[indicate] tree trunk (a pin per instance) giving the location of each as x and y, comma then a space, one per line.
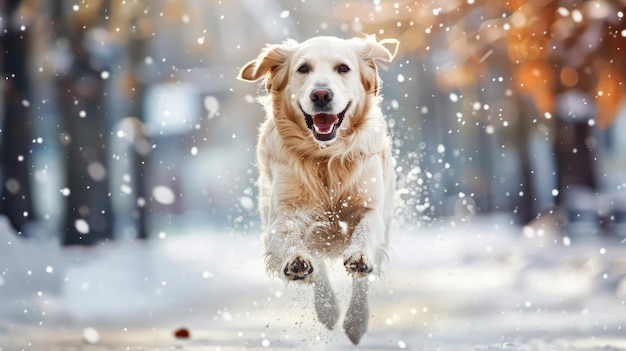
527, 208
138, 50
16, 200
82, 91
574, 156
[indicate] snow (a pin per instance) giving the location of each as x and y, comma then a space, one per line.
211, 104
163, 194
481, 286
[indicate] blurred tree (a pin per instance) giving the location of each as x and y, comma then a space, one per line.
565, 56
16, 201
80, 35
131, 29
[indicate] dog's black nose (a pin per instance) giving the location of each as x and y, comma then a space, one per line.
321, 97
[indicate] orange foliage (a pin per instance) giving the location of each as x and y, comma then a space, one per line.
609, 95
551, 45
536, 79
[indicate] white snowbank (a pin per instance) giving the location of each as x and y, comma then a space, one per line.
477, 284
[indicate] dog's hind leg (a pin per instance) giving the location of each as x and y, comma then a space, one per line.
357, 315
325, 301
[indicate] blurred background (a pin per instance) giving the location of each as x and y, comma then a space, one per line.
123, 119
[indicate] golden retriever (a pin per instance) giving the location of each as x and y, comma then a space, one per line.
326, 181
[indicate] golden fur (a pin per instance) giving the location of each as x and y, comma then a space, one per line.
322, 198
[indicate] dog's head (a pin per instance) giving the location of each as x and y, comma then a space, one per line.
322, 82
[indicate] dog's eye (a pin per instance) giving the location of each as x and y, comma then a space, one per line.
343, 68
304, 69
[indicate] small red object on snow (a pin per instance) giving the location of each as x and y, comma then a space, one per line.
182, 333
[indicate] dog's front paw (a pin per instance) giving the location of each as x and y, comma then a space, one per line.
358, 264
299, 268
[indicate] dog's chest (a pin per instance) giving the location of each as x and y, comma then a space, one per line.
335, 223
338, 191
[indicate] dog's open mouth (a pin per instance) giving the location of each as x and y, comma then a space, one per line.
325, 125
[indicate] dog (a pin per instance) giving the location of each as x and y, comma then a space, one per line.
326, 170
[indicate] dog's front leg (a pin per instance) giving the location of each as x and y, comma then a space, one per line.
285, 252
367, 240
357, 316
359, 259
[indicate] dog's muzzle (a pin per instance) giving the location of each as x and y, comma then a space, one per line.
324, 125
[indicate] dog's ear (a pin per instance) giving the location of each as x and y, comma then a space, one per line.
271, 65
370, 50
377, 50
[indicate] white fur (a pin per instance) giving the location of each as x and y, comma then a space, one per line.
325, 198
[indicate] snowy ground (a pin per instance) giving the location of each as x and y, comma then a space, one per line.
483, 286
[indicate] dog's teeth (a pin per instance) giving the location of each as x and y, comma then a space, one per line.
325, 131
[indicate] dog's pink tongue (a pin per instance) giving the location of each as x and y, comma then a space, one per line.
324, 122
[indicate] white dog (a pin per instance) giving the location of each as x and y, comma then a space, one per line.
326, 169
